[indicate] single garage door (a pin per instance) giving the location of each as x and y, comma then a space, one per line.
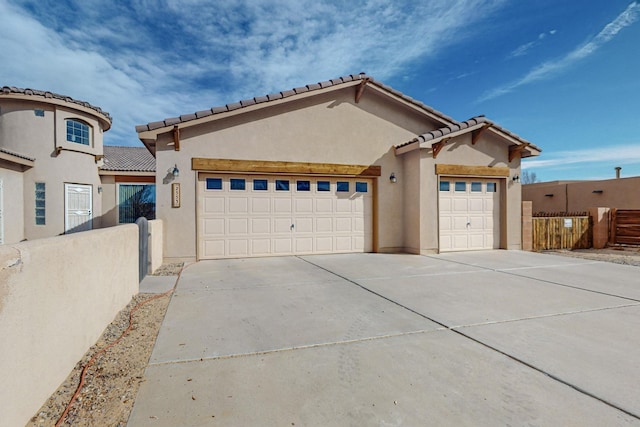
255, 215
469, 214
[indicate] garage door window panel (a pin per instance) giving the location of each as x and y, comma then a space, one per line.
238, 184
361, 187
342, 187
214, 183
461, 187
303, 185
324, 186
260, 185
445, 185
282, 185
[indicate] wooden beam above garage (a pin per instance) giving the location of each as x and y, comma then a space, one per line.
462, 170
290, 168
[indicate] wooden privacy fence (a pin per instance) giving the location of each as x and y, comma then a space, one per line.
625, 227
561, 232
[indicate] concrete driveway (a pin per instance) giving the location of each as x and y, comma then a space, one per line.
476, 338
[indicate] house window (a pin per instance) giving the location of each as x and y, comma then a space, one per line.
38, 112
342, 186
40, 204
303, 185
78, 132
324, 186
237, 184
361, 187
260, 185
282, 185
135, 201
445, 185
214, 183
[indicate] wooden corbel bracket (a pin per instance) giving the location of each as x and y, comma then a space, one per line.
475, 135
360, 88
516, 150
176, 138
438, 146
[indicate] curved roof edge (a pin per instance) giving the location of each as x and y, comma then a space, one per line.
12, 90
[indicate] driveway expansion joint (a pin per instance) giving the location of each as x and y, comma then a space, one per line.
544, 316
300, 347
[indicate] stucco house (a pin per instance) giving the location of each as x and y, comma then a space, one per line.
345, 165
128, 181
579, 196
50, 148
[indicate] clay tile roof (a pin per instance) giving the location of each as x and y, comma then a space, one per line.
128, 159
7, 90
13, 153
299, 90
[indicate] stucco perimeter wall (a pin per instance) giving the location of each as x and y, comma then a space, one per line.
56, 297
324, 128
579, 196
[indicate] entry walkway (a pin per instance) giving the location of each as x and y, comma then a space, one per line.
477, 338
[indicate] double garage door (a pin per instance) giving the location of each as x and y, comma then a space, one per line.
469, 214
254, 215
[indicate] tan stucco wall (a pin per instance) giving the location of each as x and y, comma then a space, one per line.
156, 244
12, 203
37, 137
490, 151
331, 128
328, 128
409, 180
578, 196
56, 297
109, 201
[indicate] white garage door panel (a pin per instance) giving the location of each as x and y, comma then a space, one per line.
469, 214
302, 220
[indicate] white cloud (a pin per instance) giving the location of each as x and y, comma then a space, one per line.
551, 68
200, 54
616, 155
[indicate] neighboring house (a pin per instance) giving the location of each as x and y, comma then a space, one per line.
578, 196
128, 185
346, 165
50, 147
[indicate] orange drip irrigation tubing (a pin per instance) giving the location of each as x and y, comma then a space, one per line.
104, 349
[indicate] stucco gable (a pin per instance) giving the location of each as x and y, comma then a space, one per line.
475, 124
149, 132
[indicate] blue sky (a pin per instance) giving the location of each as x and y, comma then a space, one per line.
563, 74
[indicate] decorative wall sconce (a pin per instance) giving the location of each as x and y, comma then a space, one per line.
597, 191
392, 178
99, 188
516, 178
174, 171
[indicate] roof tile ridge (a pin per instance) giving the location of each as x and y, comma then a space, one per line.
248, 102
